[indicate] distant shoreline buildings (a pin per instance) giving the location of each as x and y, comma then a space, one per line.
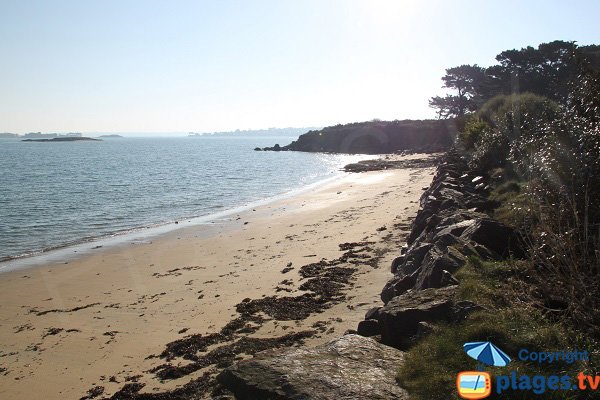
256, 132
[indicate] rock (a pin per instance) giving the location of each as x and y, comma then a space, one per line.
258, 149
372, 313
446, 193
396, 286
413, 258
457, 256
419, 223
403, 249
435, 263
352, 367
446, 240
396, 263
455, 229
495, 236
277, 147
399, 318
424, 329
368, 327
467, 249
483, 252
448, 279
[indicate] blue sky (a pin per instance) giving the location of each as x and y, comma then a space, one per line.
178, 66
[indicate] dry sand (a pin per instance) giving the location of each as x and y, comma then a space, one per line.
65, 328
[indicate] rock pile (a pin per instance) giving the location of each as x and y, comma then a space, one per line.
450, 226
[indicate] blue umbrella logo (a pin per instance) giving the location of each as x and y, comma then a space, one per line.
487, 353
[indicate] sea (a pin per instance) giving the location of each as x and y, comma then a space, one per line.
56, 195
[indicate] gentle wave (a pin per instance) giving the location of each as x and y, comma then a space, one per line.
55, 196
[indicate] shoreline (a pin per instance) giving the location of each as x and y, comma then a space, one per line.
120, 306
81, 248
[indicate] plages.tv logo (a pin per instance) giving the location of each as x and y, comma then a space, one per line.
478, 384
473, 384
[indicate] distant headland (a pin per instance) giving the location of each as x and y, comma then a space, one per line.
376, 137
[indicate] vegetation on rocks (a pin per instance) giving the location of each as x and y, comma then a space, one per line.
538, 151
509, 321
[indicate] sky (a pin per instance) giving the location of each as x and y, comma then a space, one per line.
218, 65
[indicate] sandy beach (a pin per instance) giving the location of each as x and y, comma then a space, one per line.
103, 319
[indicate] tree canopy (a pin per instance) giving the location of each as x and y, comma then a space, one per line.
545, 70
466, 80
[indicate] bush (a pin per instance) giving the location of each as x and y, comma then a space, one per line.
431, 366
490, 151
565, 185
530, 104
473, 130
506, 129
558, 204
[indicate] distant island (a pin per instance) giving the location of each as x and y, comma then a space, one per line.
40, 135
53, 137
63, 139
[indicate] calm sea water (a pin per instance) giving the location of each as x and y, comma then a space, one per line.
57, 194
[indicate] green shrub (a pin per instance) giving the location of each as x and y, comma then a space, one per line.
491, 150
532, 105
508, 128
564, 183
431, 366
473, 130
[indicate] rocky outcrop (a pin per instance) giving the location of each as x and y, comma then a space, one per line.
386, 163
352, 367
399, 319
501, 240
377, 137
451, 225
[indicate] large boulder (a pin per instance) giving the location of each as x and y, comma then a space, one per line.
455, 229
396, 262
396, 286
495, 236
438, 262
368, 327
399, 318
352, 367
413, 258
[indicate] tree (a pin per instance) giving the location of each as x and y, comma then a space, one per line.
466, 80
447, 107
544, 71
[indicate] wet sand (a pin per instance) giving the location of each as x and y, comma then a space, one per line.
300, 270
